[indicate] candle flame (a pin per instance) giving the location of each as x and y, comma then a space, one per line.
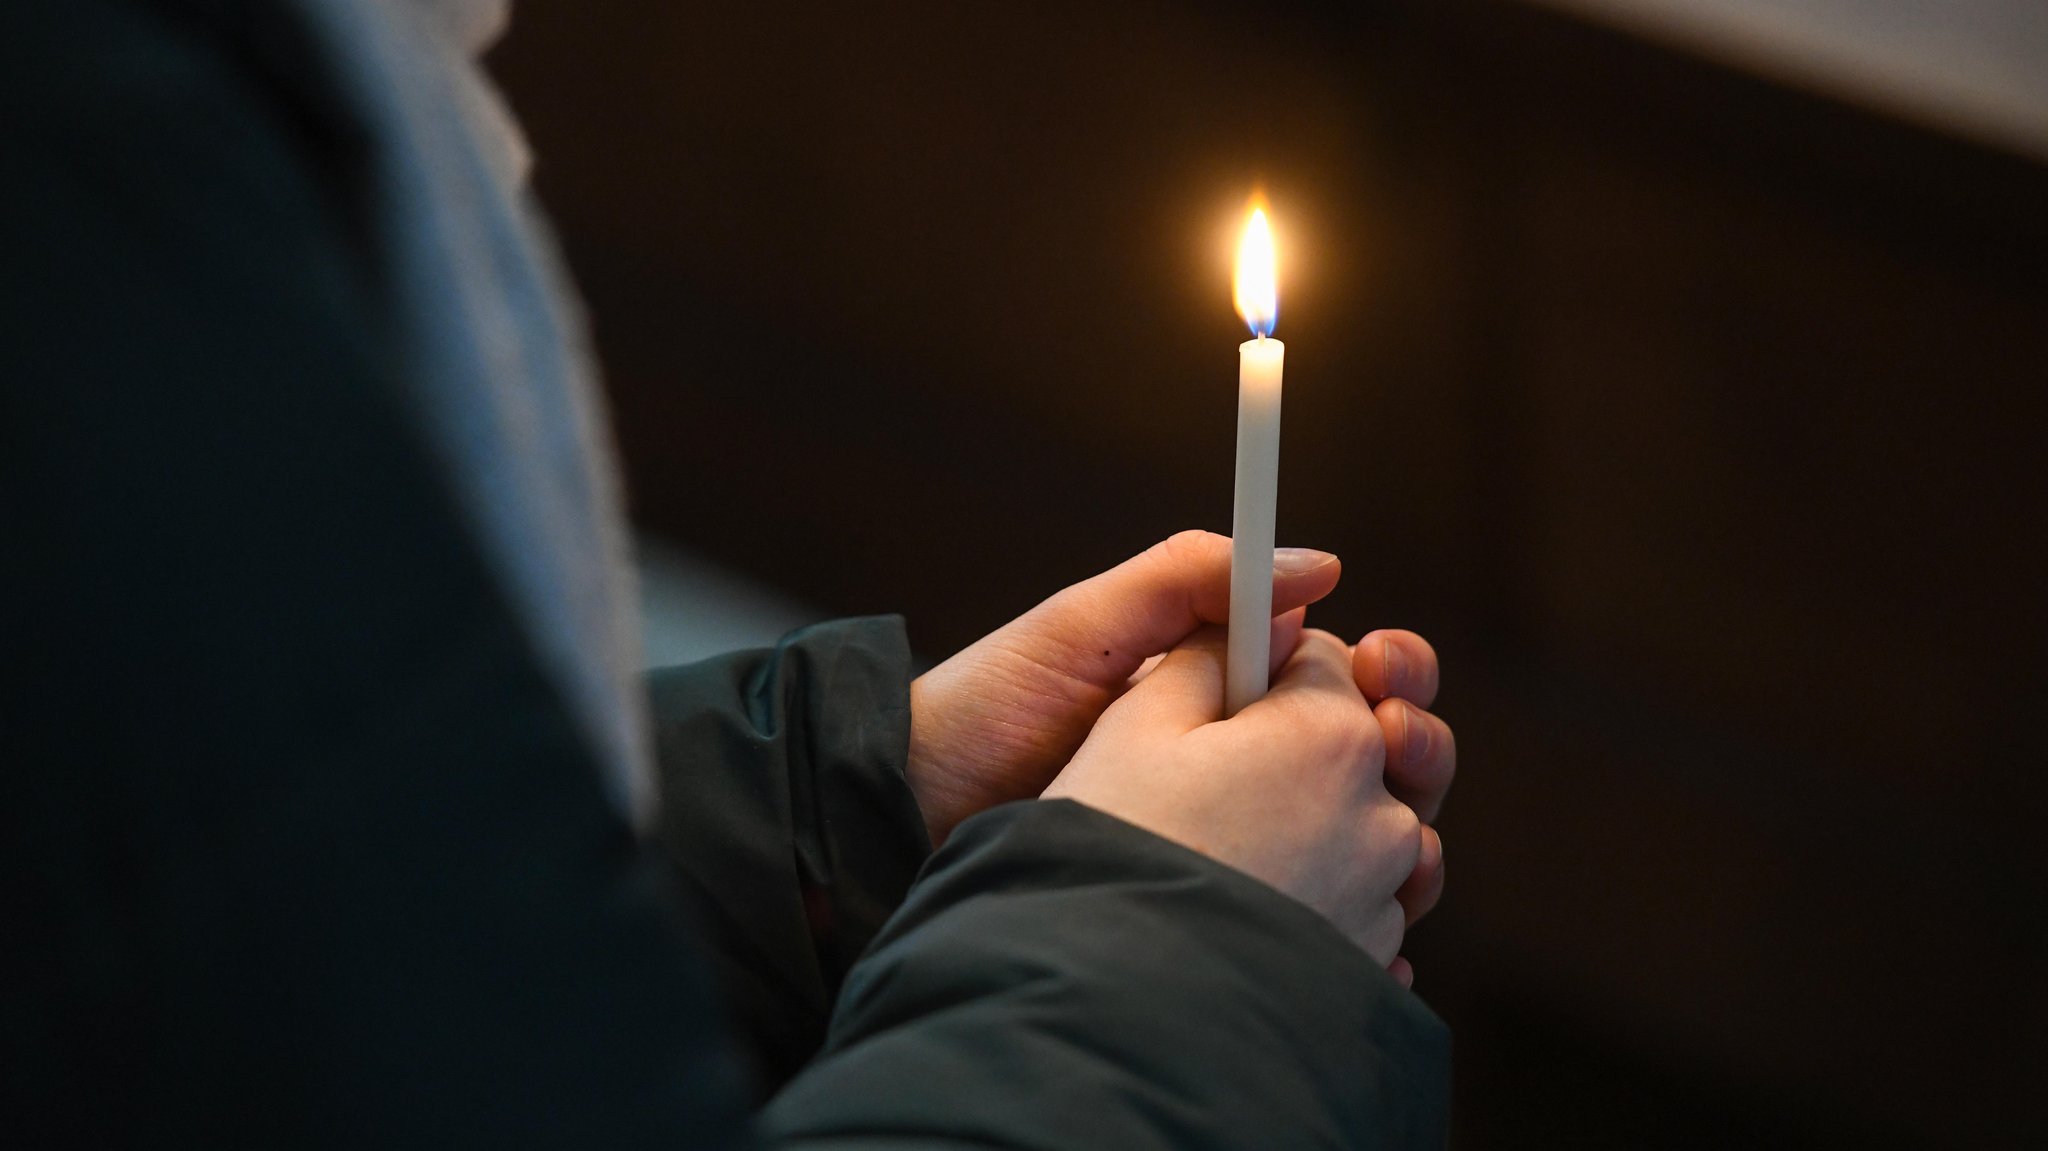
1258, 300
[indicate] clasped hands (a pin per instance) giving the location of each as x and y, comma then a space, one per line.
1111, 694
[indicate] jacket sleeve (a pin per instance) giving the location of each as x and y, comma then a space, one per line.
786, 815
1061, 979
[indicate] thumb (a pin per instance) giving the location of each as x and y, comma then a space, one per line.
1101, 629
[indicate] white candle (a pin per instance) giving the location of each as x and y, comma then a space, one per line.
1259, 362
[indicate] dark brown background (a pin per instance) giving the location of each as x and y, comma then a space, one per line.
1695, 419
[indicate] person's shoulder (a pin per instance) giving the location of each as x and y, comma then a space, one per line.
177, 174
146, 99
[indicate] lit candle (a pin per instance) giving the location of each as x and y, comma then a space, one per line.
1258, 471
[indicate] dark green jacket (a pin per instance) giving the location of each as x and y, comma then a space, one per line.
320, 789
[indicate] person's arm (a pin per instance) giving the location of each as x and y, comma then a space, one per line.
1065, 980
786, 817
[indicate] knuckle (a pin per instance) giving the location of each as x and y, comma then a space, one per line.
1185, 546
1368, 742
1352, 737
1325, 644
1403, 828
1322, 661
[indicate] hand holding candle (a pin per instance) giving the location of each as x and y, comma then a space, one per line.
1259, 360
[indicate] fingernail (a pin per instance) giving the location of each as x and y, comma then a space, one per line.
1394, 663
1416, 738
1295, 561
